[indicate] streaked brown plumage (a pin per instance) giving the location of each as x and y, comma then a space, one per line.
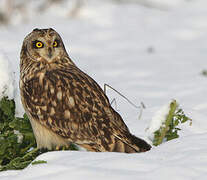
64, 104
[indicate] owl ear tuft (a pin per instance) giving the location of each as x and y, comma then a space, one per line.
51, 29
36, 29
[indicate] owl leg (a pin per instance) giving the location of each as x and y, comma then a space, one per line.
70, 146
62, 148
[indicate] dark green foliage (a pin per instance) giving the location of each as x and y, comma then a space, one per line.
72, 147
204, 72
16, 137
179, 117
169, 129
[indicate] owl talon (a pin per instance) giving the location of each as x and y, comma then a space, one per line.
61, 148
57, 148
64, 148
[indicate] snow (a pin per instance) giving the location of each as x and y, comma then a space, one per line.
150, 55
157, 120
171, 160
7, 79
19, 136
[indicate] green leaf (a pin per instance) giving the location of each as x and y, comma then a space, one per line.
7, 107
39, 162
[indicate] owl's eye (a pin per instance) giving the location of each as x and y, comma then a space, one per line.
38, 44
55, 43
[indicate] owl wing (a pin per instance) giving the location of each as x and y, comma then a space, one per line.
73, 105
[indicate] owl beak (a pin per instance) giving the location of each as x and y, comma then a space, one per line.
49, 52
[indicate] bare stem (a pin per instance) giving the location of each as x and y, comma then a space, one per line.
106, 85
165, 128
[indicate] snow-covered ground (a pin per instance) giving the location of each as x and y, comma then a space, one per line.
151, 55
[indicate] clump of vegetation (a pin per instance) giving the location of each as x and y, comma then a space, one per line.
204, 72
169, 129
17, 141
16, 138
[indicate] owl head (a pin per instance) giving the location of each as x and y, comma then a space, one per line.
43, 45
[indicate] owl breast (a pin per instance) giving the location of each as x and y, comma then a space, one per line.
40, 108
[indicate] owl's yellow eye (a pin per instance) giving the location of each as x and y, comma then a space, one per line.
39, 44
55, 44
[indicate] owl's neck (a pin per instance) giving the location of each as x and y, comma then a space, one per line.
29, 66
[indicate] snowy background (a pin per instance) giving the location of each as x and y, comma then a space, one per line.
152, 51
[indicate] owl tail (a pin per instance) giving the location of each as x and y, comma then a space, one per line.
136, 145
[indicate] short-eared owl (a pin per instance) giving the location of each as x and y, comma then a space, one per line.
64, 104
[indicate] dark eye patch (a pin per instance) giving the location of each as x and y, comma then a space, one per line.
56, 43
37, 44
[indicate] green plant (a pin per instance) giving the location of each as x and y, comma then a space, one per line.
169, 129
16, 137
204, 72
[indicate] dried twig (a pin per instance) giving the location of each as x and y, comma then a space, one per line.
114, 101
141, 107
